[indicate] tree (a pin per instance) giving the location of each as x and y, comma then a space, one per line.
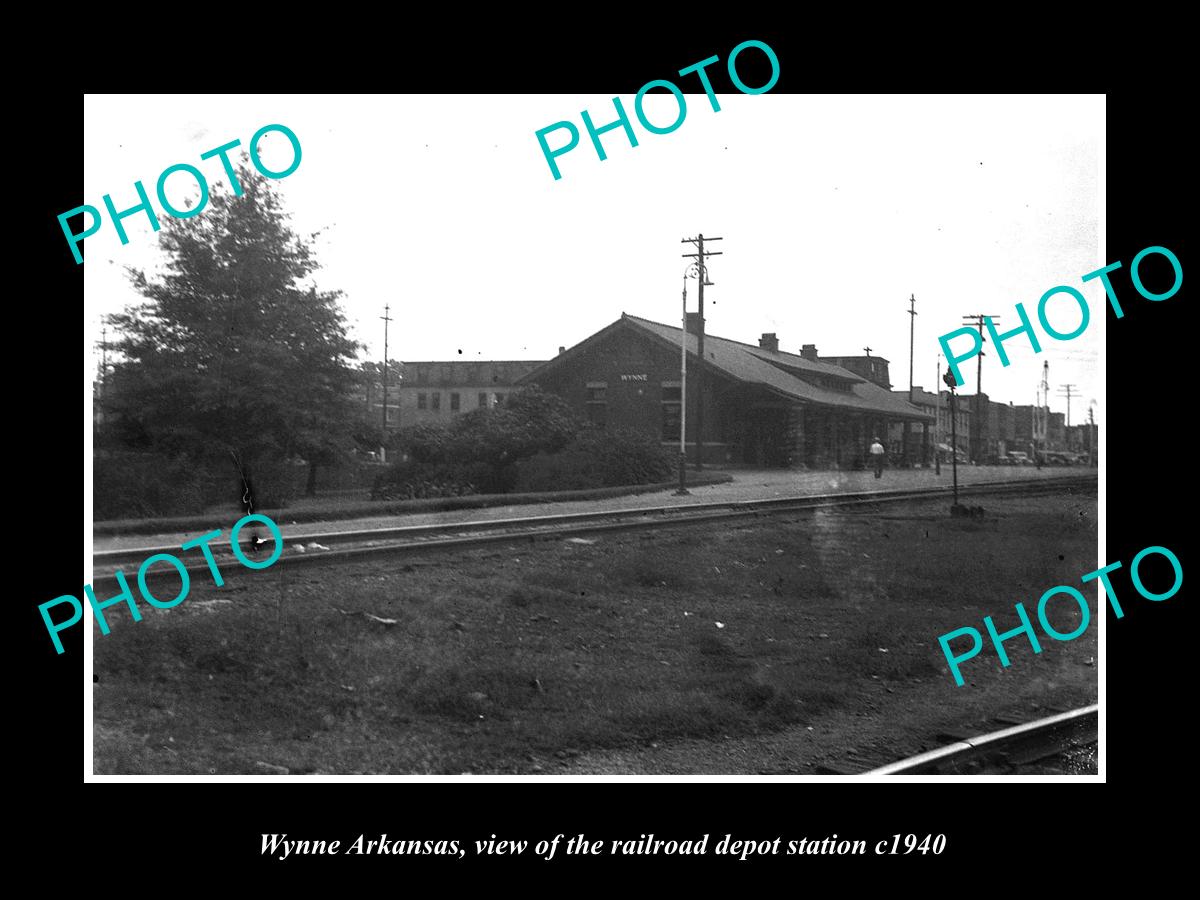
369, 382
533, 421
237, 355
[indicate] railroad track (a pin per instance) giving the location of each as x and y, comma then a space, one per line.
1067, 741
345, 546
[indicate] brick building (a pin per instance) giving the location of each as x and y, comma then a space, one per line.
436, 391
937, 432
762, 406
368, 391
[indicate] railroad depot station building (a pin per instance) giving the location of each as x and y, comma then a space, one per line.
762, 406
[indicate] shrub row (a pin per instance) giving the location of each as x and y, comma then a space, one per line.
534, 444
129, 484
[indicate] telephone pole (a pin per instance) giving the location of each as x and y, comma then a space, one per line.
98, 408
683, 491
937, 419
912, 330
386, 319
977, 415
1092, 433
1064, 390
103, 362
701, 281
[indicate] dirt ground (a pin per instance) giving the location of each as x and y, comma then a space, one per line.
794, 644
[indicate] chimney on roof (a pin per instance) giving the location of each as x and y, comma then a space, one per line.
769, 341
693, 323
809, 352
562, 350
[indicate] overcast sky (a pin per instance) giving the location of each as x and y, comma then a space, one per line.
833, 210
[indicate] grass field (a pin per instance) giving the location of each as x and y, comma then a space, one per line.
513, 659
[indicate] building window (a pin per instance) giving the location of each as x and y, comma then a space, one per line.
672, 396
670, 419
482, 401
436, 401
391, 414
454, 402
597, 402
422, 401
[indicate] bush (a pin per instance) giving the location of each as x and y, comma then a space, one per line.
476, 452
598, 457
534, 444
570, 470
414, 480
132, 484
275, 483
128, 484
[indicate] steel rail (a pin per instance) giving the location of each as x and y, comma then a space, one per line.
479, 533
1018, 745
679, 511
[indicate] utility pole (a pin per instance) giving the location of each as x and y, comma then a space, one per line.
701, 280
937, 419
977, 420
98, 418
1064, 390
386, 319
1092, 436
103, 362
683, 394
912, 330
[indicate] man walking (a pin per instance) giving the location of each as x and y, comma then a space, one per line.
877, 453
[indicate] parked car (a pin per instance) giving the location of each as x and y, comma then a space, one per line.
943, 452
1016, 458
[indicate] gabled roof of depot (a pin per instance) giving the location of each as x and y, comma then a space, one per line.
750, 364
